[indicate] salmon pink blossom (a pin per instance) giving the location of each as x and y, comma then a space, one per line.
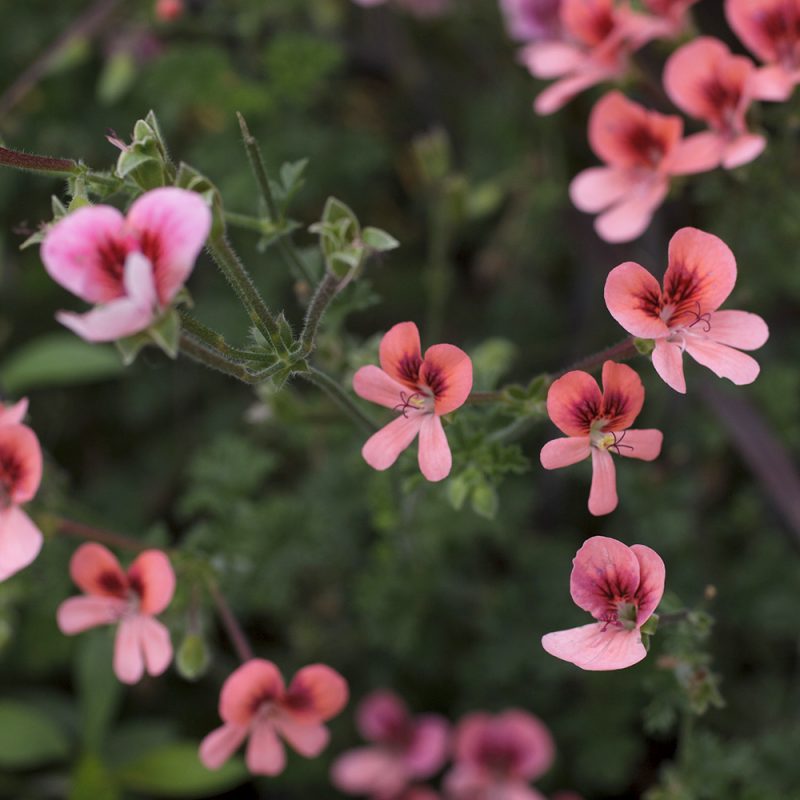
255, 703
642, 151
130, 267
405, 749
20, 476
705, 80
131, 600
532, 20
422, 391
620, 587
598, 424
496, 757
682, 316
668, 17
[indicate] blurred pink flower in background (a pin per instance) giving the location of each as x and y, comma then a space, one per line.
532, 20
255, 704
421, 8
683, 316
20, 476
422, 390
130, 267
620, 587
705, 80
667, 18
496, 757
130, 599
405, 749
642, 151
597, 424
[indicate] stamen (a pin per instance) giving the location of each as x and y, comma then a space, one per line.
618, 443
704, 318
412, 401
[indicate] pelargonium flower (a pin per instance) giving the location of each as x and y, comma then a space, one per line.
532, 20
255, 703
669, 17
20, 476
498, 756
131, 267
620, 587
131, 600
405, 749
598, 424
422, 390
770, 29
683, 316
642, 151
705, 80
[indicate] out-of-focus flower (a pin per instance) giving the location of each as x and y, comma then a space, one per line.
255, 704
532, 20
169, 10
405, 749
598, 424
420, 8
422, 390
620, 587
683, 316
131, 600
13, 415
669, 18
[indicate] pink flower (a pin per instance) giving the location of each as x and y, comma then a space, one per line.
683, 315
255, 703
131, 267
706, 81
532, 20
406, 749
20, 476
642, 150
496, 757
422, 390
129, 599
771, 30
668, 20
597, 424
620, 587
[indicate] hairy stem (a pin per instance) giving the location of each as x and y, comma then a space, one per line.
213, 339
215, 359
43, 165
623, 351
340, 397
326, 291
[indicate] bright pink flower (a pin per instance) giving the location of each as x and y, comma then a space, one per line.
255, 703
597, 424
20, 476
130, 267
422, 390
771, 30
496, 757
129, 599
683, 315
532, 20
642, 150
620, 587
706, 81
406, 749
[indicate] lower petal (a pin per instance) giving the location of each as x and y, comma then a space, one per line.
743, 149
562, 91
373, 384
221, 744
265, 753
20, 541
596, 188
668, 362
596, 646
307, 739
629, 220
551, 59
107, 323
700, 152
435, 459
739, 329
644, 444
603, 494
772, 83
723, 361
128, 656
372, 771
156, 645
382, 448
78, 614
564, 452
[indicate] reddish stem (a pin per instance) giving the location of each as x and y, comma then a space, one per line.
79, 530
46, 164
623, 351
230, 623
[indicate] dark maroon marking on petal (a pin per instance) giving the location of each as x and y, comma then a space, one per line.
682, 290
261, 696
498, 752
112, 583
585, 412
648, 146
600, 25
435, 380
723, 97
650, 302
615, 406
136, 584
11, 473
409, 367
111, 255
782, 27
298, 698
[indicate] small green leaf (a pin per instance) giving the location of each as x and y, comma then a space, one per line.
379, 240
98, 688
130, 346
28, 737
644, 346
92, 781
166, 333
485, 501
117, 76
192, 658
457, 491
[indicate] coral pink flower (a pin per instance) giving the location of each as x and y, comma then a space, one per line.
683, 316
129, 599
20, 476
620, 587
405, 749
131, 267
422, 390
597, 424
706, 81
496, 757
771, 30
532, 20
255, 703
668, 20
169, 10
642, 150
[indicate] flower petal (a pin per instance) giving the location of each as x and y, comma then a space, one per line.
668, 362
401, 353
435, 459
13, 415
590, 647
315, 694
772, 83
642, 444
746, 17
20, 541
78, 614
128, 655
603, 569
652, 576
630, 219
380, 715
382, 448
559, 453
21, 452
723, 361
739, 329
373, 384
597, 188
265, 753
447, 369
623, 396
373, 771
308, 740
558, 94
156, 645
219, 745
151, 574
700, 152
573, 402
427, 749
95, 570
116, 319
743, 149
256, 681
632, 296
552, 59
603, 494
531, 739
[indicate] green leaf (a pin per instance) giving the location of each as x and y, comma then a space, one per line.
58, 359
117, 76
92, 781
28, 737
379, 240
485, 501
98, 688
192, 658
166, 333
175, 771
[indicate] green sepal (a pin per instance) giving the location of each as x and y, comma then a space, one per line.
166, 333
378, 240
644, 346
192, 659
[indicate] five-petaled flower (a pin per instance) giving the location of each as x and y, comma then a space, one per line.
642, 150
405, 749
498, 756
620, 587
255, 703
422, 390
598, 423
705, 80
130, 267
683, 314
20, 476
130, 599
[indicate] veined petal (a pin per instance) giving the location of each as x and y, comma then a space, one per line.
597, 188
642, 444
668, 362
315, 694
746, 18
307, 739
739, 329
623, 396
255, 682
603, 569
373, 384
13, 415
128, 655
94, 569
652, 576
265, 753
573, 402
401, 353
107, 323
78, 614
603, 494
629, 219
435, 459
559, 453
21, 452
151, 574
156, 645
447, 370
632, 296
382, 448
723, 361
221, 744
590, 647
20, 541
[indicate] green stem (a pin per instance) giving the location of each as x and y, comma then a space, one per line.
215, 340
340, 397
246, 221
326, 291
214, 359
43, 165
